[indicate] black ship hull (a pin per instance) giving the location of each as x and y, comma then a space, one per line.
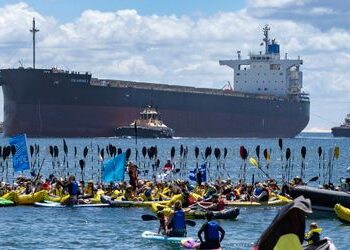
48, 104
341, 131
144, 132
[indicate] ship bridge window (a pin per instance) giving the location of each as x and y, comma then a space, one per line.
244, 67
275, 66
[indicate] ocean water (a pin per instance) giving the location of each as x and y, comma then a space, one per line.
121, 228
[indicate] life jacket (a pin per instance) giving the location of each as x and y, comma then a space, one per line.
258, 191
221, 205
213, 230
312, 232
179, 220
89, 191
59, 192
75, 188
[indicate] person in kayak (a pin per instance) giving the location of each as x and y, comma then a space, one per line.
212, 232
217, 204
176, 223
260, 193
168, 166
313, 236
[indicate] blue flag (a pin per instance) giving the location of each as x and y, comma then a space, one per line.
114, 169
20, 159
203, 169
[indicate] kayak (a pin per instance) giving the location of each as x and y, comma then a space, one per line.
155, 236
119, 203
30, 199
277, 202
229, 213
342, 213
58, 205
192, 244
6, 203
226, 214
324, 244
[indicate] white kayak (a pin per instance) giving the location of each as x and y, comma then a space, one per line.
155, 236
58, 205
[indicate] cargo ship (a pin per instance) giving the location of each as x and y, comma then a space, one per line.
266, 101
344, 129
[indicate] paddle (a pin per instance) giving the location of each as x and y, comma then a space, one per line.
288, 154
82, 166
217, 154
267, 156
280, 144
149, 217
319, 151
65, 157
303, 153
312, 179
127, 154
254, 163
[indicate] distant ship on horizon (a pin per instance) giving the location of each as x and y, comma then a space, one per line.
267, 101
344, 129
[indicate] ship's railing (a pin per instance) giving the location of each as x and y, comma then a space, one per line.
57, 70
176, 88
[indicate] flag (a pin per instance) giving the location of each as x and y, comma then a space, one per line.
20, 159
203, 170
114, 169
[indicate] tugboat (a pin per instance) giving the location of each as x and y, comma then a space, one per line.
149, 125
344, 129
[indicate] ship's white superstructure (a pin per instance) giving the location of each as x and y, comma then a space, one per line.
267, 73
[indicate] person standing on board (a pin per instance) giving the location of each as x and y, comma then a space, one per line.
212, 232
73, 191
176, 223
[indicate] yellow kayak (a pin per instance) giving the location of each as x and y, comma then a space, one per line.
342, 213
277, 202
30, 199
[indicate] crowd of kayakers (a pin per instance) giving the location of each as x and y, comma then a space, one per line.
181, 195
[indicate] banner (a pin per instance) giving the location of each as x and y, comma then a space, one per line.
20, 159
114, 169
203, 171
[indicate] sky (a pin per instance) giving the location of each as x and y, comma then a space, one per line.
181, 42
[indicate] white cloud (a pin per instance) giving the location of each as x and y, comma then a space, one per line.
274, 3
181, 50
321, 11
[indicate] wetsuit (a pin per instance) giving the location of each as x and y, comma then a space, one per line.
178, 225
211, 231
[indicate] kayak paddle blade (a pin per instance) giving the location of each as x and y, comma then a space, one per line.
148, 217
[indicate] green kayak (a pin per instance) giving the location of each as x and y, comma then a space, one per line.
5, 203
